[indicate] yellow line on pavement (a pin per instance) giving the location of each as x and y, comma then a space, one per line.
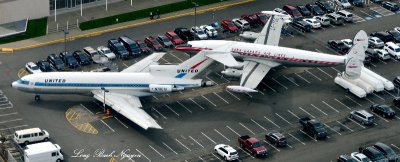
96, 33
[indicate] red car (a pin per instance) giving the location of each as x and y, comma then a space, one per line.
262, 18
228, 25
174, 38
252, 19
153, 43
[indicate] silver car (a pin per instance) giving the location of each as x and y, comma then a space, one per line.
362, 116
105, 51
210, 31
375, 42
325, 21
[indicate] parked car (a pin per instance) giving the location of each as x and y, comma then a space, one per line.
263, 18
226, 152
198, 33
32, 68
216, 25
55, 62
229, 26
367, 60
343, 3
252, 145
372, 54
287, 17
313, 22
68, 59
383, 110
210, 31
118, 48
293, 12
241, 23
335, 19
347, 16
323, 20
303, 10
386, 151
82, 58
358, 3
153, 43
384, 55
30, 135
397, 29
313, 127
184, 34
315, 10
105, 51
392, 49
175, 39
338, 46
373, 154
375, 42
44, 66
396, 82
362, 116
345, 158
392, 6
301, 25
252, 19
143, 47
130, 45
325, 6
276, 138
163, 40
359, 157
385, 37
395, 34
377, 1
347, 42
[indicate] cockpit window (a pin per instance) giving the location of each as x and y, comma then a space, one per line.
23, 82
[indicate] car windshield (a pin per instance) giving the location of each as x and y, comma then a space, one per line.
143, 45
263, 17
119, 47
378, 41
107, 51
326, 5
370, 118
302, 8
34, 67
200, 32
133, 45
395, 34
175, 37
397, 49
295, 11
58, 61
71, 59
230, 24
317, 9
364, 160
165, 39
282, 139
82, 56
234, 153
257, 144
154, 42
345, 1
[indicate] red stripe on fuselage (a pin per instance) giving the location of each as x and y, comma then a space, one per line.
198, 64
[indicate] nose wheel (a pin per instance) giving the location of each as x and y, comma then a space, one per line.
37, 98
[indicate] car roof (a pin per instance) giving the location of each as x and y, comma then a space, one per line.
382, 146
31, 64
229, 148
360, 155
364, 112
279, 135
171, 33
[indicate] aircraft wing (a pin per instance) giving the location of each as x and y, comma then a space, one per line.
270, 34
225, 58
254, 71
143, 65
128, 106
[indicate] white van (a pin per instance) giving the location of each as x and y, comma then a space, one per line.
43, 152
392, 49
30, 135
348, 17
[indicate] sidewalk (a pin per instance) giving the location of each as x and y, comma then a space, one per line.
76, 33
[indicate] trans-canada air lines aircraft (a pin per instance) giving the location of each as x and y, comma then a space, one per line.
123, 89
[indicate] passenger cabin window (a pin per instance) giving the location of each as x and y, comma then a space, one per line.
26, 136
41, 134
53, 154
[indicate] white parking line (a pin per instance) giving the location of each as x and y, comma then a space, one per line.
191, 99
201, 159
9, 114
184, 106
345, 126
258, 124
370, 101
221, 98
352, 100
143, 155
196, 141
283, 119
367, 14
182, 144
222, 77
293, 114
107, 125
308, 135
398, 148
394, 59
87, 108
324, 72
289, 146
373, 64
260, 92
272, 146
382, 61
248, 94
165, 60
18, 126
313, 75
125, 64
378, 96
297, 139
290, 80
216, 157
155, 97
272, 122
233, 95
319, 109
169, 148
356, 123
268, 86
245, 152
380, 117
342, 104
158, 112
209, 100
233, 130
120, 122
335, 69
307, 112
330, 106
302, 78
332, 129
176, 57
221, 134
208, 137
157, 151
211, 80
246, 128
389, 93
279, 83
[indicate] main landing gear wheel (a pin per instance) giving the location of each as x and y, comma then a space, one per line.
37, 98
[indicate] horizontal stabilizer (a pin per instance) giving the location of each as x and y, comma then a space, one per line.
225, 58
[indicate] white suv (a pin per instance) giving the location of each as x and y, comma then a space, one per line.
359, 157
392, 49
227, 152
384, 55
199, 33
241, 23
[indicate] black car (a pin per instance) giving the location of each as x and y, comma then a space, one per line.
302, 26
44, 66
303, 10
385, 37
377, 1
82, 58
396, 101
396, 81
390, 6
367, 60
338, 46
372, 54
383, 110
358, 3
345, 158
395, 34
184, 34
130, 45
276, 139
55, 62
68, 59
315, 10
324, 5
373, 154
387, 151
118, 48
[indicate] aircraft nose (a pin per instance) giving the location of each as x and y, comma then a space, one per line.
14, 84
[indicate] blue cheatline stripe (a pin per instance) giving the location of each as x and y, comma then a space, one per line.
180, 75
41, 84
23, 82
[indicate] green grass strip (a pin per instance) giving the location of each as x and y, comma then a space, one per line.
36, 28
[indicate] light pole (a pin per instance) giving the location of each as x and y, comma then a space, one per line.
65, 39
195, 14
104, 98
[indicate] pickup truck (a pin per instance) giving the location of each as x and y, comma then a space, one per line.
313, 127
252, 145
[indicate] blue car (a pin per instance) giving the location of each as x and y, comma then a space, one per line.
69, 59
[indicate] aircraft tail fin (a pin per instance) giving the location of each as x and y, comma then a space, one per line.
271, 32
355, 57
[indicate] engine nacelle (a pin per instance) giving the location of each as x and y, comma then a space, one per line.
155, 88
240, 89
208, 84
249, 35
232, 72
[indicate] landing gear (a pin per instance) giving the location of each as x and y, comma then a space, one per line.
37, 98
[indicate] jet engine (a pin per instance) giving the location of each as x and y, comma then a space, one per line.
230, 72
155, 88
